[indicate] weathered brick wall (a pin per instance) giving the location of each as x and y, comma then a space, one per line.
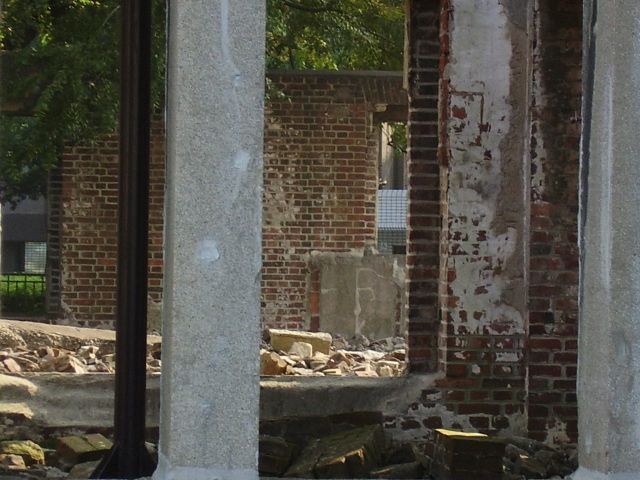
320, 181
319, 194
425, 203
508, 281
553, 261
86, 188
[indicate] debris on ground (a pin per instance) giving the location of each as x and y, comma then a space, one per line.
351, 451
339, 448
40, 348
31, 453
86, 359
75, 449
288, 352
525, 458
27, 347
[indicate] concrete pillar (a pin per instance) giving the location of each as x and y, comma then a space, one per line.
609, 362
210, 377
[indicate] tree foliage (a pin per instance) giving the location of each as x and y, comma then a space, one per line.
335, 34
59, 60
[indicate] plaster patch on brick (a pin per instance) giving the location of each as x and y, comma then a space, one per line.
538, 154
557, 433
517, 425
279, 208
482, 243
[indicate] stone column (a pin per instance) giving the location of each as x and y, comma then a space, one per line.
609, 349
210, 377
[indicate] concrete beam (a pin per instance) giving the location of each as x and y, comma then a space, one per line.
608, 384
210, 383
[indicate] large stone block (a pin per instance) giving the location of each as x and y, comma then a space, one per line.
350, 454
31, 452
361, 293
275, 455
460, 456
284, 339
83, 448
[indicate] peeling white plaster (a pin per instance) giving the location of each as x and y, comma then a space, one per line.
279, 207
517, 422
507, 357
538, 177
557, 433
480, 116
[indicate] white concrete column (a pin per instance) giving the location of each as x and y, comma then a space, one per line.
210, 377
609, 349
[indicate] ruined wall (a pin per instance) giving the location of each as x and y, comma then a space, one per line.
508, 131
482, 335
553, 262
320, 181
82, 274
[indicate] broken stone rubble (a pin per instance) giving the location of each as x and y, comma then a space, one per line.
36, 347
306, 354
87, 359
357, 357
320, 354
75, 456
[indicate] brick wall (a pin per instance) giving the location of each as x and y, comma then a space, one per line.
319, 194
320, 181
425, 202
54, 225
507, 291
84, 237
553, 277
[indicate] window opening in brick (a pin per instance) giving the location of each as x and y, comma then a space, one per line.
35, 257
391, 206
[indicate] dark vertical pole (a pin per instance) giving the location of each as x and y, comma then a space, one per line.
129, 457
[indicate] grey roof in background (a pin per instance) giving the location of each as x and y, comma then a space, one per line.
392, 209
26, 223
26, 207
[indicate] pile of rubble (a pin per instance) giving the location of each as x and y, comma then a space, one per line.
37, 347
86, 359
283, 352
366, 452
354, 452
362, 452
286, 352
525, 458
74, 456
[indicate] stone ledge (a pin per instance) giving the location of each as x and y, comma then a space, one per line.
61, 400
586, 474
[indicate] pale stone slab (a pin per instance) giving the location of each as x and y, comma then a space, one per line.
284, 339
608, 384
210, 377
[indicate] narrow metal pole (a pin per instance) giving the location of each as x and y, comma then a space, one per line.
129, 457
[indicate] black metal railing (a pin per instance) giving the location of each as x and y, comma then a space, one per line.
23, 294
25, 282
